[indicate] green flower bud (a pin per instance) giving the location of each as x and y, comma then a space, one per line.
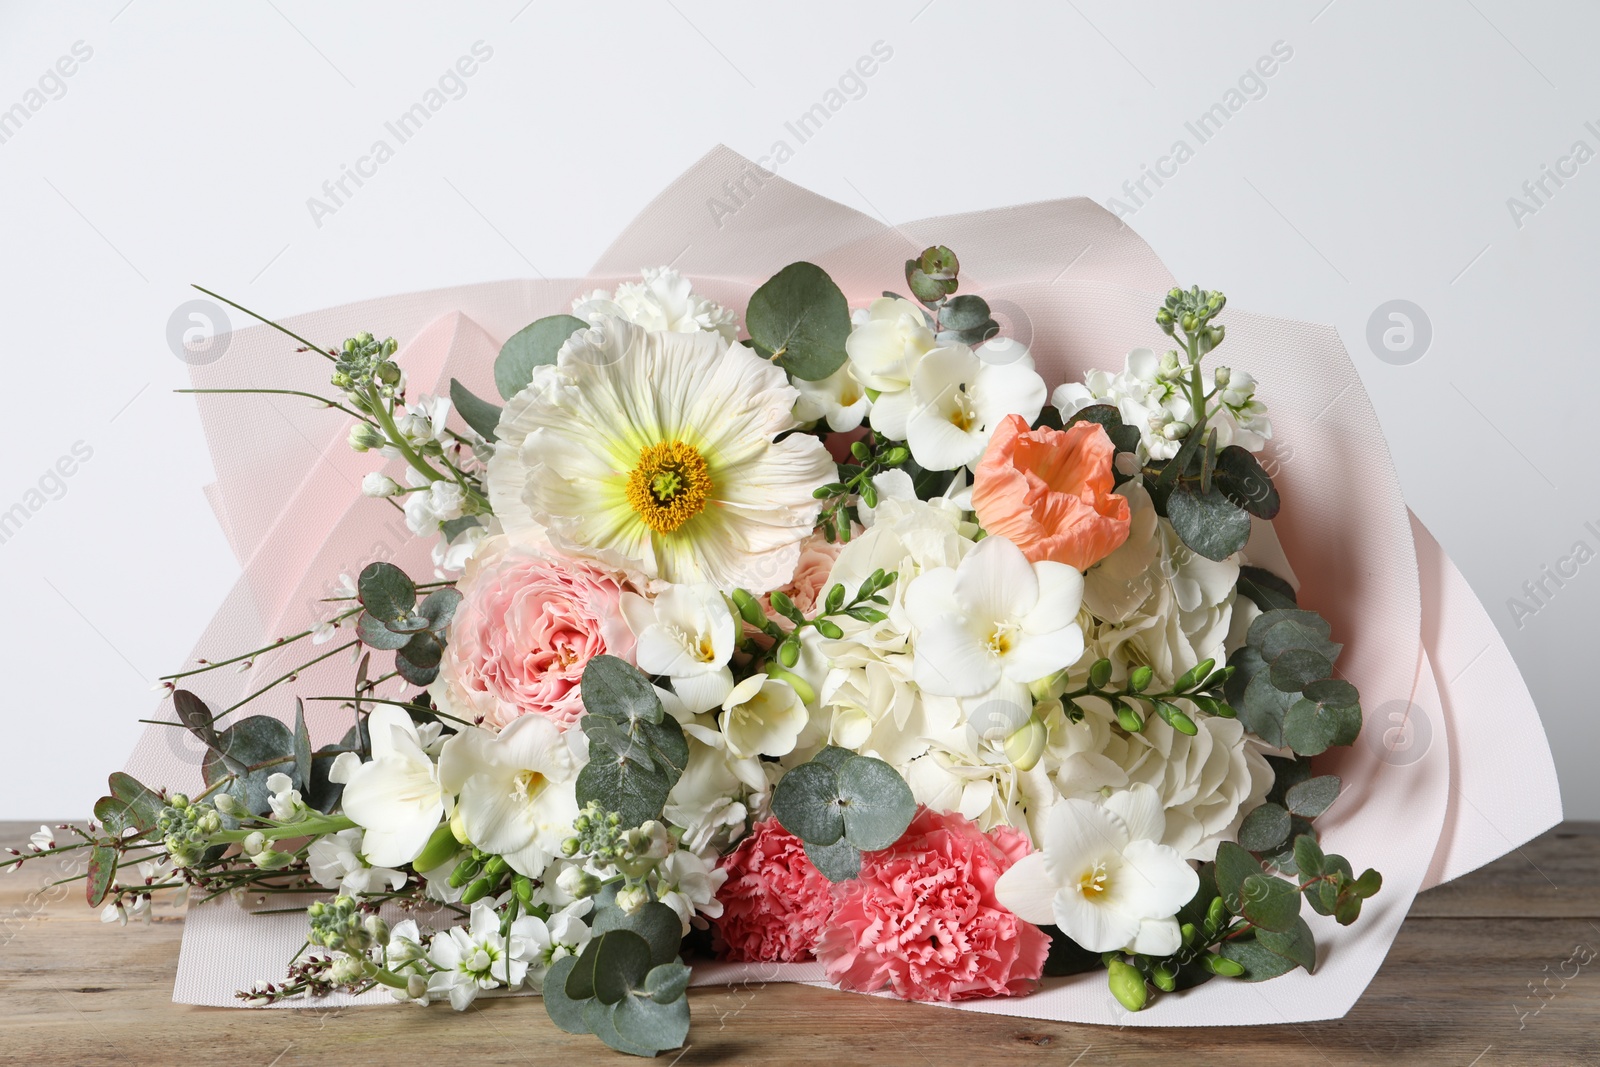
347, 970
1024, 747
387, 373
226, 804
364, 437
1222, 376
1221, 965
749, 607
254, 843
440, 849
896, 456
476, 891
860, 451
1127, 985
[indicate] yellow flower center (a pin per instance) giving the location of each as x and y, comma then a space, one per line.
962, 417
669, 486
527, 786
1094, 882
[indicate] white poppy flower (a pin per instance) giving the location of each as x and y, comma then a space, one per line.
762, 716
516, 789
395, 797
1102, 877
959, 399
687, 634
994, 618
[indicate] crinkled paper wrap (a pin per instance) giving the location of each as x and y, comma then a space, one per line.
1452, 769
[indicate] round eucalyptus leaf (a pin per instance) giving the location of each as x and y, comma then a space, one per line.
876, 803
386, 592
806, 803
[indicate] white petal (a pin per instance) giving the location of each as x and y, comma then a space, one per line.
1095, 926
1140, 808
702, 692
1014, 389
1157, 937
1032, 656
1060, 597
950, 661
1157, 881
996, 583
1026, 888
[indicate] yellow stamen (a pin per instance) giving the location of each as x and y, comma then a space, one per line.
527, 785
1094, 882
669, 486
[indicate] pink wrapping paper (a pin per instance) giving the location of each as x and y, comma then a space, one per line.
1452, 769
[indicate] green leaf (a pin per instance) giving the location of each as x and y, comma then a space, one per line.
838, 862
1313, 797
1259, 962
535, 345
375, 634
966, 319
806, 803
563, 1010
422, 651
635, 793
667, 982
1242, 481
386, 592
1265, 828
1209, 523
1263, 707
1175, 467
621, 961
1308, 857
194, 714
580, 980
302, 747
479, 414
1282, 858
1368, 884
1270, 903
131, 804
803, 318
602, 1022
1275, 632
876, 803
260, 742
645, 1023
439, 607
1297, 944
1124, 438
1234, 866
612, 687
1328, 714
833, 756
1287, 772
102, 869
1298, 668
421, 677
1266, 589
658, 924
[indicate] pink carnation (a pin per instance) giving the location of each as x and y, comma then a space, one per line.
527, 625
775, 904
923, 920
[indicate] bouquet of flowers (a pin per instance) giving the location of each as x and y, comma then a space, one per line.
787, 632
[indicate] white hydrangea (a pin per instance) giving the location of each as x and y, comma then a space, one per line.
1152, 394
663, 301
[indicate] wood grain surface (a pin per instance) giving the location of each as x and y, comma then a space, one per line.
1486, 971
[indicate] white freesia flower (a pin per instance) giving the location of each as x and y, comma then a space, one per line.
687, 634
664, 300
838, 398
1156, 602
994, 618
476, 958
958, 399
516, 788
885, 345
763, 716
396, 796
688, 885
1101, 875
657, 452
336, 863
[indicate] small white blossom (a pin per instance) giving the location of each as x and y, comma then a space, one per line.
43, 839
378, 484
335, 861
287, 806
688, 885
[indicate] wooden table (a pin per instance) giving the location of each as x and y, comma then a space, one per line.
1479, 976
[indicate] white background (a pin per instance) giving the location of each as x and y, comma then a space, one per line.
1376, 165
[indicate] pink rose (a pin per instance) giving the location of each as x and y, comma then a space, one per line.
775, 904
527, 625
922, 918
810, 581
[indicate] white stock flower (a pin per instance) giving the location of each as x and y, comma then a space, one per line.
762, 716
378, 484
994, 618
544, 941
688, 885
1155, 602
475, 958
1102, 876
664, 300
886, 343
659, 453
431, 504
336, 863
958, 399
396, 796
838, 398
1150, 399
284, 798
516, 788
687, 634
